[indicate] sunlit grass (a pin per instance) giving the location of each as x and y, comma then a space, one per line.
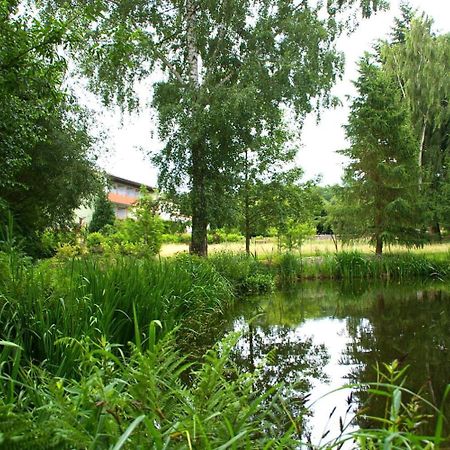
264, 248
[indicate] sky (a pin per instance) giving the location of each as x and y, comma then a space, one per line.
131, 138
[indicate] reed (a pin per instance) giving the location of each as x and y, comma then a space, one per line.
141, 401
113, 299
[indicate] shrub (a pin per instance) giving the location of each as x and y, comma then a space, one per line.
246, 274
289, 268
68, 251
94, 242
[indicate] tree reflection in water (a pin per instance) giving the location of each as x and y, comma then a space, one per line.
381, 322
411, 326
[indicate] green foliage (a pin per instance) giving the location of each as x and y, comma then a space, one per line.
138, 236
296, 234
246, 274
42, 131
30, 78
403, 415
90, 297
220, 235
419, 61
289, 269
209, 115
103, 214
381, 195
148, 226
141, 401
286, 205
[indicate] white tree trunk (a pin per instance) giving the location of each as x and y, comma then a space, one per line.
192, 56
421, 149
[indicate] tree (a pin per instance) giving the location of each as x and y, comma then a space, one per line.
31, 73
148, 226
103, 214
381, 182
289, 206
59, 174
47, 166
420, 62
230, 68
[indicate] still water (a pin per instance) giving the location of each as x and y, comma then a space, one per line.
323, 335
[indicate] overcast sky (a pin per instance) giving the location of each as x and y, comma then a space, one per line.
132, 138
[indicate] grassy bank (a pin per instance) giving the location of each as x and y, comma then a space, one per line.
95, 353
250, 275
290, 268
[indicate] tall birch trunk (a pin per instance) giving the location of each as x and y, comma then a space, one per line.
247, 207
421, 150
199, 242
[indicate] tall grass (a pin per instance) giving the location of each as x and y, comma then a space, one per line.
355, 265
247, 274
113, 299
140, 401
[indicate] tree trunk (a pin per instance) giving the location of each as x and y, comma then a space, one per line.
379, 246
247, 207
436, 231
199, 242
421, 149
199, 238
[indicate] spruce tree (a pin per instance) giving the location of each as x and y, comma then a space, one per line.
103, 214
382, 179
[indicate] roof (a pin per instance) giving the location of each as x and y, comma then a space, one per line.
129, 182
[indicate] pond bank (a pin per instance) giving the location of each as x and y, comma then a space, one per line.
102, 343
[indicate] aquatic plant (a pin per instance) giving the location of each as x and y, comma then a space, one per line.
141, 401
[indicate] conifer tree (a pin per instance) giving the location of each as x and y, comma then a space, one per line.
381, 181
103, 214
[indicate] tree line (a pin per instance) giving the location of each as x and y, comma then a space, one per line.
233, 74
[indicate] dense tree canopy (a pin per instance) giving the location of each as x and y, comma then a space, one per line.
46, 163
231, 69
420, 62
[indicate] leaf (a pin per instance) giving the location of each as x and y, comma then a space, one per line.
122, 440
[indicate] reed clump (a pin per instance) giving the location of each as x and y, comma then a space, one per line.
109, 298
140, 401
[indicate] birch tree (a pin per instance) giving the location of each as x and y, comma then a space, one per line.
230, 66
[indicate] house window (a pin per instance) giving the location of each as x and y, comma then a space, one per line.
121, 212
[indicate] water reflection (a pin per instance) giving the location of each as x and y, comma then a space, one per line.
323, 335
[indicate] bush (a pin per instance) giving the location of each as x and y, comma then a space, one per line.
246, 274
219, 236
68, 251
94, 242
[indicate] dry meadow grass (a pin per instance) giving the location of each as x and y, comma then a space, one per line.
318, 246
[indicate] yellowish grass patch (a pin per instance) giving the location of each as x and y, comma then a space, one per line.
317, 246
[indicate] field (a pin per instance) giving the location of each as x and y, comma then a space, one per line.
318, 246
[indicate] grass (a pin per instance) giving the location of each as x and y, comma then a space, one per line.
140, 402
114, 300
267, 248
90, 355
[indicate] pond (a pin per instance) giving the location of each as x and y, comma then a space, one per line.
323, 335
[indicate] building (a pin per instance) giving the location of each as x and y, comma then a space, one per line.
123, 194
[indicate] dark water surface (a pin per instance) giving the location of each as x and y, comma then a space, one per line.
323, 335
